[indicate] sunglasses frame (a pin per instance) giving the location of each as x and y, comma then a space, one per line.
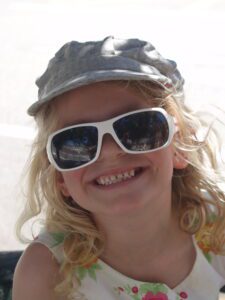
104, 127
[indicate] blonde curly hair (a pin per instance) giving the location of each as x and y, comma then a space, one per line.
197, 196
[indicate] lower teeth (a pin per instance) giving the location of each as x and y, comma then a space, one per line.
109, 183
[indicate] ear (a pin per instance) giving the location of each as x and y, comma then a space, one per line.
179, 160
62, 185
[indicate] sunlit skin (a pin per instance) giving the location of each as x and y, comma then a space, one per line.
135, 215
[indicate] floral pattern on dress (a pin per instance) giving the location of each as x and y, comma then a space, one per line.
203, 237
203, 241
145, 291
58, 238
148, 291
88, 270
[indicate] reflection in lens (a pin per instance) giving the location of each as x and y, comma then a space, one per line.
142, 131
74, 147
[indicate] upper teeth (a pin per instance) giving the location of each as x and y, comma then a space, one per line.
107, 180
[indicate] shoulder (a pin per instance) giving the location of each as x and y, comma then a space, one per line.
36, 274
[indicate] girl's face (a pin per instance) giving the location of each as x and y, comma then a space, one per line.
150, 188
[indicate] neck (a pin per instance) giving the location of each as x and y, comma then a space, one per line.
139, 234
152, 236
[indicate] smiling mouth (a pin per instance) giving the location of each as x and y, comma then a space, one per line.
117, 178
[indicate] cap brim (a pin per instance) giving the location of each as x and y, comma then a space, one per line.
93, 77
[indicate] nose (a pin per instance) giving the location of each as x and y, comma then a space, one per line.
109, 149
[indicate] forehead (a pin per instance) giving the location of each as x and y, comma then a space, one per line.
99, 101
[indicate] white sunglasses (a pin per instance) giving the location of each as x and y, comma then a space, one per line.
139, 131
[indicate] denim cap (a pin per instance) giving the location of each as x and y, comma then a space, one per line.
78, 64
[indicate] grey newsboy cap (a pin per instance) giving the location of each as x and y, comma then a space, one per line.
78, 64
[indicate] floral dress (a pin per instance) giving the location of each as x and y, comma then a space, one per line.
99, 281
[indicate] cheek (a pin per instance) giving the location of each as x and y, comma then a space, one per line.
162, 160
163, 154
73, 181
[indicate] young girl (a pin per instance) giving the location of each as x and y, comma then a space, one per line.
131, 195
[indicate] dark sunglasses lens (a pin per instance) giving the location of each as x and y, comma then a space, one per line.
75, 147
142, 131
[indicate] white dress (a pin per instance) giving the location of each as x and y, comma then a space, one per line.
98, 281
